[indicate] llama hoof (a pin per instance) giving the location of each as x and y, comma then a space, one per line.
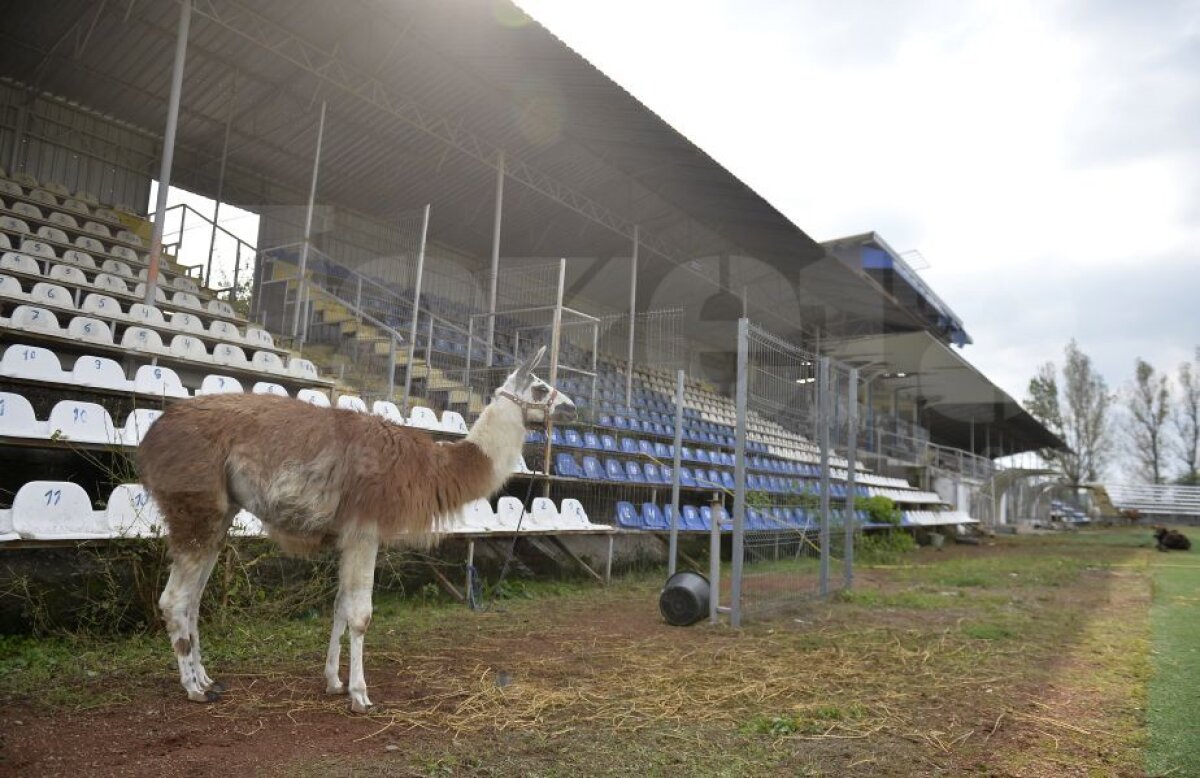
204, 696
336, 691
212, 696
217, 687
357, 707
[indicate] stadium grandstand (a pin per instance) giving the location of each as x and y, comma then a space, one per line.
441, 188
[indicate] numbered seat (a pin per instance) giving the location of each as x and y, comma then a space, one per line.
132, 513
5, 243
125, 254
543, 515
63, 220
53, 295
89, 330
182, 283
190, 348
33, 363
186, 300
628, 516
129, 237
348, 402
424, 418
223, 330
56, 510
81, 422
110, 283
566, 466
219, 384
20, 263
137, 424
266, 387
102, 305
573, 516
268, 362
146, 315
28, 210
260, 338
227, 354
52, 234
88, 243
37, 248
11, 288
76, 205
86, 199
387, 410
98, 229
510, 514
142, 339
11, 188
454, 422
186, 322
35, 319
159, 295
592, 469
159, 381
313, 397
68, 273
17, 419
302, 369
221, 308
144, 273
44, 197
99, 372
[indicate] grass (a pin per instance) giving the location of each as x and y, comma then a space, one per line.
1029, 657
1173, 715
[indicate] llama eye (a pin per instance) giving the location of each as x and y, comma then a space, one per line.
540, 391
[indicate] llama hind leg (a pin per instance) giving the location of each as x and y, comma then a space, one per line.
207, 683
356, 578
189, 570
333, 658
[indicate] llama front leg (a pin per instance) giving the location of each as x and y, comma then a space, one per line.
333, 658
207, 683
357, 576
179, 598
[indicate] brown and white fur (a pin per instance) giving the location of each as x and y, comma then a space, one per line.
317, 477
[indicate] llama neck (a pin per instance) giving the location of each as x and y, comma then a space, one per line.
499, 432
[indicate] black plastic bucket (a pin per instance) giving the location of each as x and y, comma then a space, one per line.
684, 598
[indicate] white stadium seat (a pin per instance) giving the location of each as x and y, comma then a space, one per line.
159, 295
117, 268
256, 336
226, 354
11, 187
27, 209
110, 283
88, 243
159, 381
5, 243
223, 330
77, 205
68, 273
246, 524
52, 234
189, 347
125, 253
160, 279
146, 314
30, 317
302, 368
573, 516
387, 410
182, 283
97, 228
219, 384
64, 220
99, 372
266, 387
81, 422
24, 179
543, 515
31, 362
107, 214
11, 287
142, 339
56, 510
453, 421
84, 196
37, 248
348, 402
89, 330
267, 362
221, 308
424, 418
43, 196
509, 513
132, 513
56, 188
13, 224
313, 397
186, 322
20, 263
52, 295
137, 424
102, 305
17, 418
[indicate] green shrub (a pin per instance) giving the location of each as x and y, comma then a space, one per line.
884, 547
882, 510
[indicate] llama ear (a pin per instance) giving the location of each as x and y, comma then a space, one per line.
535, 360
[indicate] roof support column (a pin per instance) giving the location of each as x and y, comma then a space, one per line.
212, 238
495, 277
168, 149
633, 271
301, 280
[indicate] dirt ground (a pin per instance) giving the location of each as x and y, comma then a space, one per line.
998, 660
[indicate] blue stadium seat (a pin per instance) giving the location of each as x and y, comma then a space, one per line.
629, 445
668, 512
572, 438
620, 422
608, 443
701, 455
627, 516
565, 465
534, 436
605, 420
754, 482
653, 474
686, 479
663, 451
613, 470
691, 518
592, 468
634, 425
646, 448
726, 479
556, 437
592, 441
686, 454
652, 517
633, 473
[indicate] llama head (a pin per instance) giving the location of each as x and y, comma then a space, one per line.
535, 396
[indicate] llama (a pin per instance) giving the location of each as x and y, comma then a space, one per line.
317, 477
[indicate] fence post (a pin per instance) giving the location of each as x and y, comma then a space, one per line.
823, 432
555, 341
416, 309
673, 550
714, 558
391, 368
739, 476
632, 321
851, 468
308, 218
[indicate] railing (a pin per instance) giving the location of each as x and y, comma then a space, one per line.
175, 247
1163, 499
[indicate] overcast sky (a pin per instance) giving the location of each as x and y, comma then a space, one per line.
1043, 156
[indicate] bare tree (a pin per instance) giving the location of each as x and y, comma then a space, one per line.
1186, 418
1078, 415
1148, 401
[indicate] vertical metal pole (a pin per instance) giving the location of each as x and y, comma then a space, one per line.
301, 281
168, 155
739, 475
494, 281
470, 571
416, 309
823, 432
851, 468
674, 544
632, 314
555, 339
608, 561
212, 238
714, 559
391, 368
467, 366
